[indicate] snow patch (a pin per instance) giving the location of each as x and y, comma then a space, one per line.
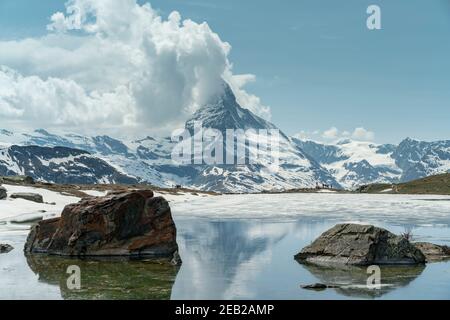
20, 211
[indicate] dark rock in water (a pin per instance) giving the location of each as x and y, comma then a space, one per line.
433, 252
315, 286
35, 197
131, 223
353, 244
5, 248
3, 193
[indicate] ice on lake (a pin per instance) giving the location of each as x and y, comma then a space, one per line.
242, 247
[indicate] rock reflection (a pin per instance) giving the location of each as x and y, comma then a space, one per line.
107, 279
351, 281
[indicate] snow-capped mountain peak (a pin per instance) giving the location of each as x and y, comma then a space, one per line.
224, 112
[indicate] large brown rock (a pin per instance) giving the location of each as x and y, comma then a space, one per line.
132, 223
354, 244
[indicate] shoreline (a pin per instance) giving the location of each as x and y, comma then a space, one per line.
82, 190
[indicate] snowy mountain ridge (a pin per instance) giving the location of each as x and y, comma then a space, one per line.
355, 163
59, 165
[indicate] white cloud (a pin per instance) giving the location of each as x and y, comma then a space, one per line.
302, 135
61, 102
331, 134
251, 102
115, 63
334, 134
363, 134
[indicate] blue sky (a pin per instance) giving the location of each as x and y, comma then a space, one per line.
316, 63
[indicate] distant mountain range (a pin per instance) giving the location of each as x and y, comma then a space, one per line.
355, 163
74, 158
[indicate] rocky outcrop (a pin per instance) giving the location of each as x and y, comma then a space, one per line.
360, 245
3, 193
433, 252
131, 223
20, 180
5, 248
35, 197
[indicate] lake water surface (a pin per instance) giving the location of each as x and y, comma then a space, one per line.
225, 257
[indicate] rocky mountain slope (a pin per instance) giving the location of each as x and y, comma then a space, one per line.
59, 165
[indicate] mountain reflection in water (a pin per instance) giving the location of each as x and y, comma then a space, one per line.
225, 259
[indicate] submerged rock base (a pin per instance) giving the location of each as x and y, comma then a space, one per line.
132, 223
